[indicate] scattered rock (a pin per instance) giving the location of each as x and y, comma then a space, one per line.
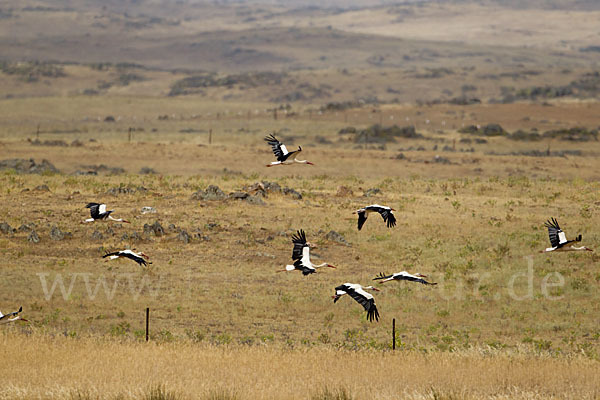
212, 192
148, 210
293, 193
79, 172
26, 227
126, 190
77, 143
33, 237
6, 228
238, 195
344, 191
23, 166
441, 160
258, 189
211, 225
97, 235
400, 156
256, 200
104, 169
156, 228
337, 238
147, 171
56, 233
183, 236
42, 188
271, 186
198, 235
134, 237
372, 192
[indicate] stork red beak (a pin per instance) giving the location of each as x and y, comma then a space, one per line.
145, 256
377, 290
589, 249
127, 222
309, 163
330, 266
24, 320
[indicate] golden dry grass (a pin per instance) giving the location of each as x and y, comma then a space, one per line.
62, 368
219, 310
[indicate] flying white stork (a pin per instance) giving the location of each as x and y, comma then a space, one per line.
5, 319
98, 212
403, 276
139, 258
387, 214
284, 157
558, 239
358, 293
301, 256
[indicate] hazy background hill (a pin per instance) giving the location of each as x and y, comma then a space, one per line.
332, 51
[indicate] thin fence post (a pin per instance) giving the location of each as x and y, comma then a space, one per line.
393, 333
147, 322
129, 136
210, 136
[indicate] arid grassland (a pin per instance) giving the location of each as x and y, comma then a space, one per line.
107, 369
471, 220
477, 121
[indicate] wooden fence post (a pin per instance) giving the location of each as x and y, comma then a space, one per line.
393, 333
147, 322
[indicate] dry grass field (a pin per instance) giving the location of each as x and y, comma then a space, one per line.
108, 369
475, 121
473, 223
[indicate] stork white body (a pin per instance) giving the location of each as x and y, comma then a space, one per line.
301, 256
387, 213
11, 317
139, 258
559, 241
98, 212
284, 157
403, 276
360, 294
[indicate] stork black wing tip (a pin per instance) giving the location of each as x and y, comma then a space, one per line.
20, 309
380, 276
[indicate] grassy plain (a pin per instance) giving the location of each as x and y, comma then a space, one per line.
474, 225
107, 369
504, 321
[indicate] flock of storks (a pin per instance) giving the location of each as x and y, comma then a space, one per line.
301, 249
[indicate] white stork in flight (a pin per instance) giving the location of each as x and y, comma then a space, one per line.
5, 319
301, 256
558, 239
284, 157
403, 276
139, 258
358, 293
387, 214
98, 212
